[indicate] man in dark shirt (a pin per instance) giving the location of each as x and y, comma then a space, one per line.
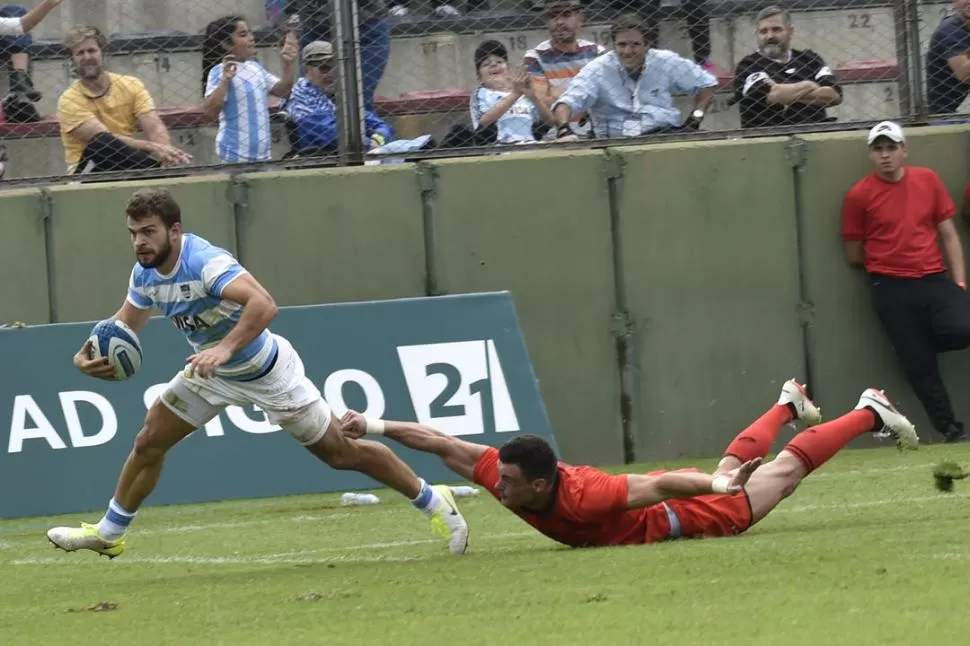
781, 86
948, 62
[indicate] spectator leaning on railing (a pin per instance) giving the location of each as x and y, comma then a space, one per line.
100, 112
312, 109
505, 99
781, 86
237, 89
16, 23
629, 91
553, 63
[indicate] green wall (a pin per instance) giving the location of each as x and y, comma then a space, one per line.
723, 257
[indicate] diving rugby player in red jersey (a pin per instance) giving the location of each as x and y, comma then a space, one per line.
582, 506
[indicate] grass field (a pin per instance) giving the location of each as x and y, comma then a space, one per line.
865, 552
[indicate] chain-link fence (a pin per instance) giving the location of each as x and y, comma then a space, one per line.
163, 86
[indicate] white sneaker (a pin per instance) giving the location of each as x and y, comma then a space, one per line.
399, 11
895, 424
805, 409
448, 522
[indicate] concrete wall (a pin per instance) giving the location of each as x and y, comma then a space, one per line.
699, 244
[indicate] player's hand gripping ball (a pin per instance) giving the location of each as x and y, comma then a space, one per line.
115, 341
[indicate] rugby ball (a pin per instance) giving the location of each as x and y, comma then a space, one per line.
119, 343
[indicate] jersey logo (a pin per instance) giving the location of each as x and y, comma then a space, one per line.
752, 80
186, 290
189, 323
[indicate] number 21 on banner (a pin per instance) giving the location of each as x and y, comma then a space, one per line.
459, 388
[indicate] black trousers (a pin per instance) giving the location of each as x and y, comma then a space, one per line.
923, 317
106, 153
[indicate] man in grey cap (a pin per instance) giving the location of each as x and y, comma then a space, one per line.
894, 222
312, 108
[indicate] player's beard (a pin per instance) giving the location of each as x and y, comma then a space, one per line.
160, 257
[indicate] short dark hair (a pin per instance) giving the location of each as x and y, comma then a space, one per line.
146, 202
629, 22
490, 48
531, 454
773, 10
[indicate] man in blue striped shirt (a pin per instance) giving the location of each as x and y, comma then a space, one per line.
629, 91
312, 109
224, 314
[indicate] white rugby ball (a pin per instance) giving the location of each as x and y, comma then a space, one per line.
119, 343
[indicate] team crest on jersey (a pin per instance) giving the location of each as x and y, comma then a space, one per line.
186, 291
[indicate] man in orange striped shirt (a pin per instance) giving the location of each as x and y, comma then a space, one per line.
554, 62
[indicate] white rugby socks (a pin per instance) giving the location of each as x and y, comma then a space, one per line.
115, 521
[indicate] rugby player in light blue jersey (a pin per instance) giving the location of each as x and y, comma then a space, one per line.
224, 313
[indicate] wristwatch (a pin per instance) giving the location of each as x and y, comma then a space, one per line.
694, 120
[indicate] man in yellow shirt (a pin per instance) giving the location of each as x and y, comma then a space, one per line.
100, 112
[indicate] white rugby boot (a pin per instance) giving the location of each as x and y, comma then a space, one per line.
794, 394
447, 521
85, 537
894, 423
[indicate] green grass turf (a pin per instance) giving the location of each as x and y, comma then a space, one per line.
867, 551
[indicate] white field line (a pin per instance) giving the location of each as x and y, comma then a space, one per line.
175, 513
409, 543
783, 509
181, 529
853, 473
221, 560
343, 553
941, 497
281, 558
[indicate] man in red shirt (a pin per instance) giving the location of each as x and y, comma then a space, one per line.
893, 224
585, 507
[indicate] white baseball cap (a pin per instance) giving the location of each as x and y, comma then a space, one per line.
889, 130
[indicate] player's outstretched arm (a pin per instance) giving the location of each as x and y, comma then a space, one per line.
458, 455
646, 490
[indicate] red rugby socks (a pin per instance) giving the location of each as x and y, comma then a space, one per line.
756, 440
816, 445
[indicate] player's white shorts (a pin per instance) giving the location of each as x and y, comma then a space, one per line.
285, 394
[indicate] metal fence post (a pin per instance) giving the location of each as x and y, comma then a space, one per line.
350, 114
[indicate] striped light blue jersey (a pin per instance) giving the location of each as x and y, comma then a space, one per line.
515, 125
244, 131
191, 297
